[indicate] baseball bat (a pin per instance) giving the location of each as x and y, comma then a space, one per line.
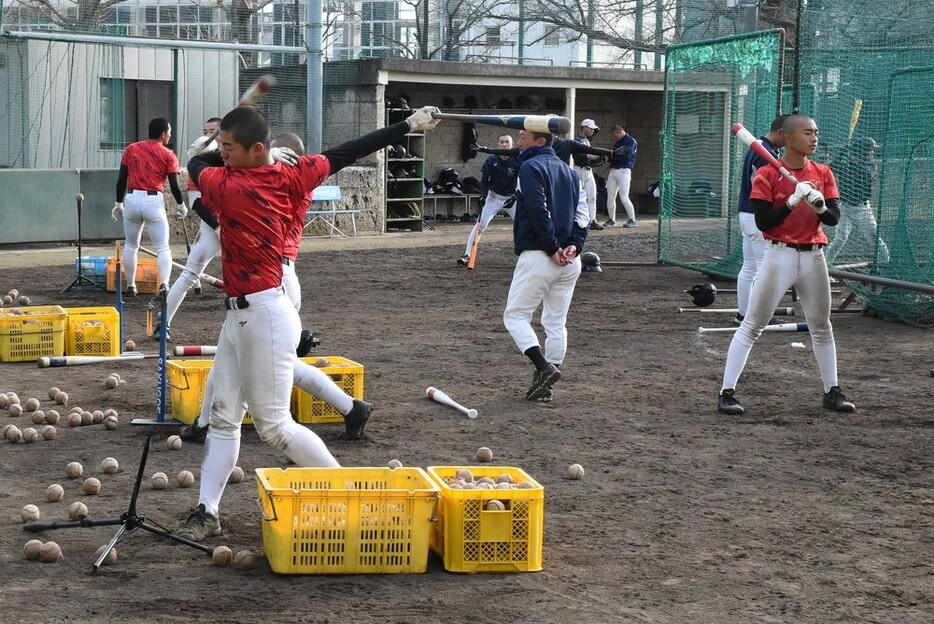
750, 141
854, 118
472, 259
532, 123
78, 360
437, 395
252, 95
778, 311
778, 327
196, 350
213, 281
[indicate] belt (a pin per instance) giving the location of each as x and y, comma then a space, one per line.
147, 192
582, 167
287, 261
236, 303
799, 246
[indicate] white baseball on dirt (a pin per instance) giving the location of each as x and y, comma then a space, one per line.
236, 475
109, 465
77, 510
159, 480
50, 552
55, 493
173, 443
575, 471
31, 550
185, 479
74, 470
92, 486
30, 513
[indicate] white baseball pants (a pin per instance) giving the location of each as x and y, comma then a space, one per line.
617, 183
590, 187
290, 282
139, 210
493, 204
207, 244
857, 218
753, 251
540, 281
782, 268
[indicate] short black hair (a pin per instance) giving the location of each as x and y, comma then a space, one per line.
548, 136
214, 120
778, 122
792, 122
157, 126
248, 126
291, 141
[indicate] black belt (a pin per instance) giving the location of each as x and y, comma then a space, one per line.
147, 192
286, 261
236, 303
800, 246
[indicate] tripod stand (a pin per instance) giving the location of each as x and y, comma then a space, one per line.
129, 521
80, 278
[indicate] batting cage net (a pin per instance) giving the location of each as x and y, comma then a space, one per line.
709, 86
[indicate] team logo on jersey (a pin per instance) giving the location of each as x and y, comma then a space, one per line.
242, 323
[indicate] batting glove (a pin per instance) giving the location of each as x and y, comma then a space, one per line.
201, 144
816, 200
421, 119
801, 192
117, 213
182, 211
284, 155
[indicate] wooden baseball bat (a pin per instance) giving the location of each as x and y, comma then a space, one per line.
252, 95
778, 311
196, 350
213, 281
472, 259
778, 327
854, 118
750, 141
437, 395
78, 360
532, 123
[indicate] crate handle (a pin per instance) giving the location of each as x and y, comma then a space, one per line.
262, 512
187, 385
434, 510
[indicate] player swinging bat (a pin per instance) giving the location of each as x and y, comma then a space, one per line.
532, 123
252, 95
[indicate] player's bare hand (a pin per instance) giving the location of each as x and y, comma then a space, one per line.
117, 213
182, 211
815, 199
201, 144
284, 155
801, 192
421, 119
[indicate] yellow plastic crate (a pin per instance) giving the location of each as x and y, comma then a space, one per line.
470, 538
147, 275
93, 331
186, 380
346, 520
307, 408
39, 331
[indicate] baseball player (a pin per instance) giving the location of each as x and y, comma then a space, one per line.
753, 242
564, 149
790, 218
258, 199
549, 233
143, 170
620, 176
497, 187
583, 165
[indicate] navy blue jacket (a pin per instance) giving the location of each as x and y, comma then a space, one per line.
499, 176
751, 164
546, 204
624, 153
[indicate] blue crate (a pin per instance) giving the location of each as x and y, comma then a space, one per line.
93, 268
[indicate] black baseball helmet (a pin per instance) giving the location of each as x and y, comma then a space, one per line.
306, 343
396, 151
703, 294
591, 262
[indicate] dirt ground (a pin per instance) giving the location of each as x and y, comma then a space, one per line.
788, 514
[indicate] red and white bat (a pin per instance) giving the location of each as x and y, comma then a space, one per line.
778, 327
78, 360
213, 281
532, 123
196, 350
251, 96
437, 395
750, 141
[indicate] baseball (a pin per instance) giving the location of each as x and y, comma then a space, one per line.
77, 510
52, 392
55, 493
30, 435
222, 556
12, 398
483, 485
494, 505
30, 513
7, 299
575, 471
111, 382
322, 362
91, 486
488, 480
110, 412
75, 408
394, 463
23, 300
525, 485
52, 417
32, 548
48, 432
87, 418
111, 422
74, 419
50, 552
464, 475
504, 478
61, 398
129, 345
111, 557
484, 454
32, 404
4, 430
3, 400
109, 465
15, 410
159, 480
244, 560
74, 470
174, 443
236, 475
13, 293
14, 435
97, 417
185, 479
38, 417
504, 486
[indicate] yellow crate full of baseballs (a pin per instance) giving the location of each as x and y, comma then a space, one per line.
489, 530
93, 331
346, 520
147, 275
307, 408
31, 332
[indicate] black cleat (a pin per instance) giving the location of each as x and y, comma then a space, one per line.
157, 333
596, 227
132, 291
306, 343
542, 381
194, 433
738, 319
727, 403
355, 420
200, 524
837, 401
463, 260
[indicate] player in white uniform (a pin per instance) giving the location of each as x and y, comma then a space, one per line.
583, 165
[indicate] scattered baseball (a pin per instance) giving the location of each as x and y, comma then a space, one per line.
91, 486
77, 510
159, 480
52, 417
74, 470
15, 410
12, 398
38, 417
111, 382
32, 548
236, 475
61, 398
109, 465
222, 556
30, 513
7, 299
75, 408
48, 432
110, 412
575, 471
4, 402
74, 419
111, 557
111, 422
55, 493
87, 418
174, 443
185, 479
52, 392
14, 435
129, 345
394, 463
50, 552
32, 404
30, 435
494, 505
23, 300
244, 560
484, 454
97, 417
4, 430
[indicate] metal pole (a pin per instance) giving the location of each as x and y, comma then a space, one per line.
659, 36
637, 55
152, 43
314, 89
590, 26
521, 30
882, 281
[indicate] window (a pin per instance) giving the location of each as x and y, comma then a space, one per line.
167, 15
552, 37
127, 107
493, 37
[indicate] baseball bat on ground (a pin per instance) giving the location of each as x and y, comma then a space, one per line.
213, 281
750, 141
78, 360
778, 327
252, 95
196, 350
472, 258
778, 311
532, 123
437, 395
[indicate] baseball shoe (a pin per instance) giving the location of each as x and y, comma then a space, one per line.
157, 332
131, 291
463, 260
609, 223
738, 319
200, 524
542, 381
727, 403
630, 224
837, 401
549, 396
193, 433
596, 227
355, 420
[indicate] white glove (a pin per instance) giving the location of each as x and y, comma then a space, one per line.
182, 211
816, 200
801, 192
284, 155
421, 119
117, 213
201, 144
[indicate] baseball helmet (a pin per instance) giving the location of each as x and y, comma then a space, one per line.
306, 343
591, 262
396, 151
703, 294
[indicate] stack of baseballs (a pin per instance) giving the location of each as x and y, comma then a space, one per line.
464, 479
113, 380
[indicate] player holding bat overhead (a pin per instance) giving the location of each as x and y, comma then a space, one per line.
791, 218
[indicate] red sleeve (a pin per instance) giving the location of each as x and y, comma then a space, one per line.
830, 185
171, 162
313, 170
763, 185
126, 155
210, 181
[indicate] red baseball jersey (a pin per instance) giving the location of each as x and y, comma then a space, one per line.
257, 208
148, 163
296, 230
803, 224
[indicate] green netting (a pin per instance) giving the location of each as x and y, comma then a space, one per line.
708, 87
